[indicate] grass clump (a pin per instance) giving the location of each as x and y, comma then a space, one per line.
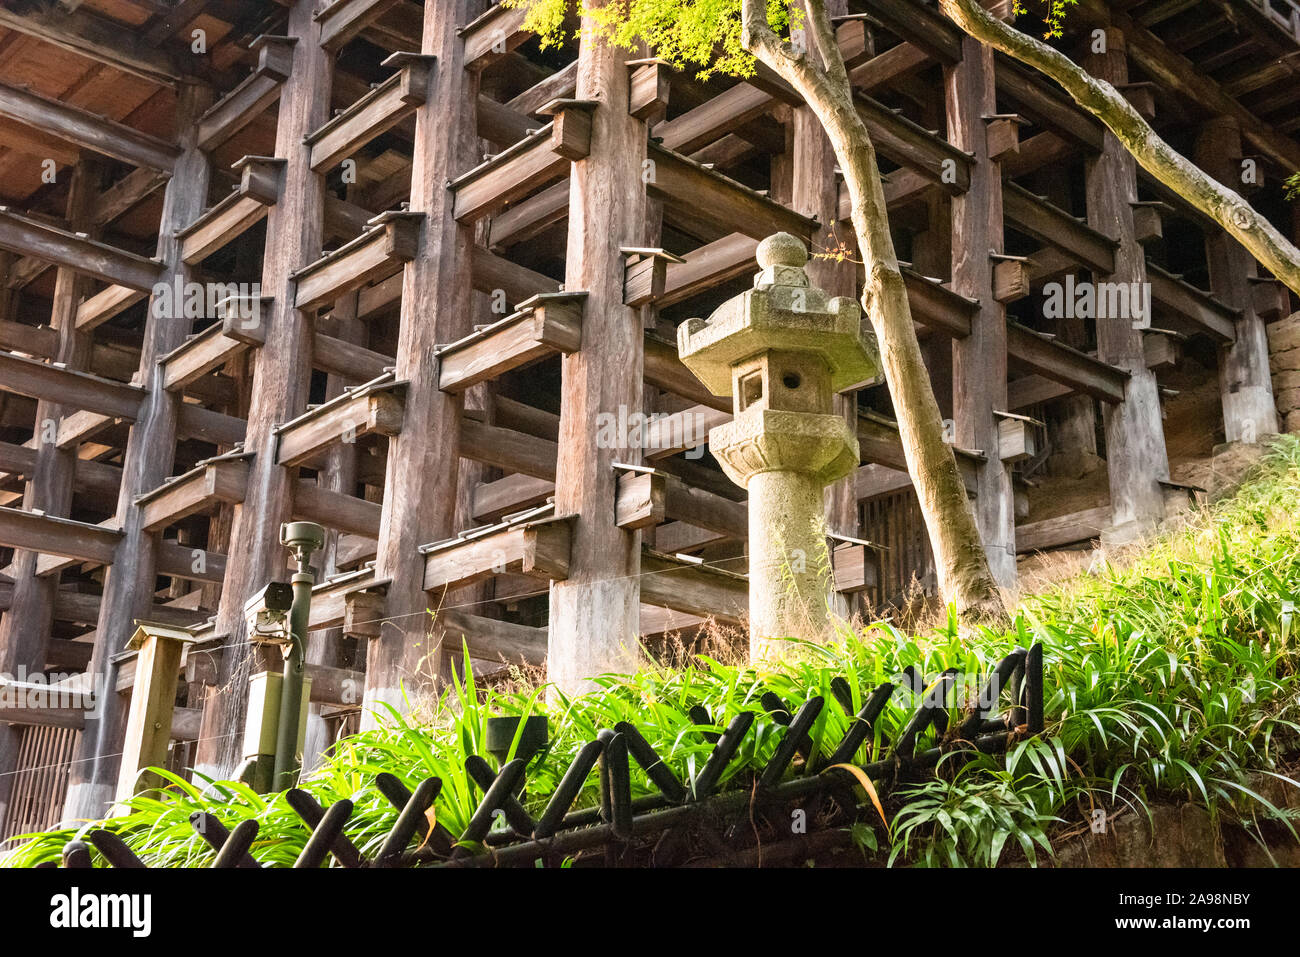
1170, 675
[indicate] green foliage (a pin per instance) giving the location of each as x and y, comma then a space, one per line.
1052, 14
1172, 678
1292, 186
703, 35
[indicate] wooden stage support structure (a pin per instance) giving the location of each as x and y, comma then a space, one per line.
390, 267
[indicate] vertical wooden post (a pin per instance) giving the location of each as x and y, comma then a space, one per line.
595, 614
979, 366
150, 453
1246, 388
153, 699
281, 375
1136, 460
424, 459
25, 627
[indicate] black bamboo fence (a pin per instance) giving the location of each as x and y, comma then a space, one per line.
723, 820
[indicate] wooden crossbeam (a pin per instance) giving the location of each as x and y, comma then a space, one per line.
374, 255
82, 426
664, 370
697, 191
1063, 530
94, 478
531, 163
923, 26
491, 272
1059, 362
670, 582
376, 407
28, 237
97, 38
543, 326
525, 219
1197, 306
492, 35
717, 116
708, 266
235, 333
85, 129
880, 443
253, 96
379, 110
512, 493
199, 491
189, 563
539, 549
103, 306
1041, 220
58, 536
491, 639
915, 147
508, 449
348, 361
195, 422
937, 306
40, 380
668, 434
353, 602
342, 20
260, 180
336, 510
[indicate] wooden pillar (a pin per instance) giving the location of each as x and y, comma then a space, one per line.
1246, 388
1136, 460
979, 361
150, 453
281, 379
338, 475
424, 459
25, 627
153, 700
595, 614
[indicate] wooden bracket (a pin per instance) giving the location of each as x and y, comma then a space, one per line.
1002, 134
645, 273
648, 89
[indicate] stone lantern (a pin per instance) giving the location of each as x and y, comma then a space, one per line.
783, 350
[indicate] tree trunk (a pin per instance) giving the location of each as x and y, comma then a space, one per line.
1153, 154
963, 568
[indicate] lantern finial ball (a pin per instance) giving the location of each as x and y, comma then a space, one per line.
781, 249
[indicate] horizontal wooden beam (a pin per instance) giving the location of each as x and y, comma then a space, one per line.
104, 305
253, 96
342, 20
374, 408
374, 255
336, 510
1063, 530
539, 549
1040, 220
1196, 306
523, 168
508, 449
543, 326
58, 536
87, 130
96, 38
695, 589
491, 639
513, 493
198, 492
378, 111
708, 266
28, 237
80, 390
492, 35
195, 422
1059, 362
190, 563
350, 362
496, 276
915, 147
225, 339
697, 191
260, 179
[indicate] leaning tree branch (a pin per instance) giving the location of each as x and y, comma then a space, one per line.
1238, 218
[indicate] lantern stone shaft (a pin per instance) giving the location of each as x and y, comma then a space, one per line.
782, 350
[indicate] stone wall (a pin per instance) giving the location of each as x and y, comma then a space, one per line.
1284, 363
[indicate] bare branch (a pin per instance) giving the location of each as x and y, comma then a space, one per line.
823, 31
1157, 157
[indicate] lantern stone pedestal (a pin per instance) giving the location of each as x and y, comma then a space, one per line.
782, 350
